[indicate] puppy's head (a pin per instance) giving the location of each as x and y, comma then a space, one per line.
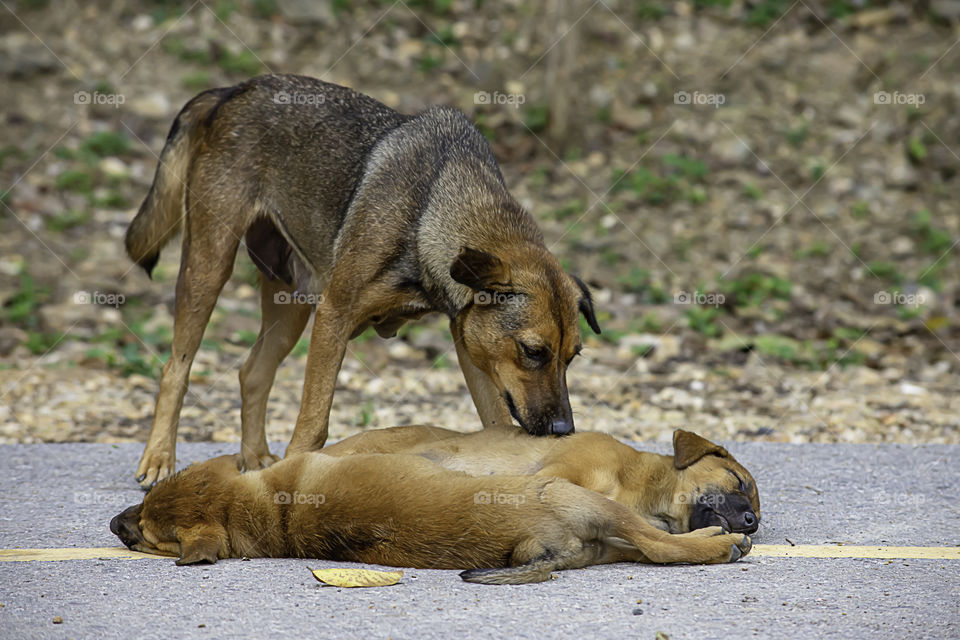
179, 516
522, 330
713, 489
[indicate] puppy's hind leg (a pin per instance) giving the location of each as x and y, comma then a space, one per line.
281, 325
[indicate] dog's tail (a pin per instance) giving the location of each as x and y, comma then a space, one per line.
161, 214
540, 569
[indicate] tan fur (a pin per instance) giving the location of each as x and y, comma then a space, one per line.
412, 510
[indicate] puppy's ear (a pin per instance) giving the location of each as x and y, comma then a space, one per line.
586, 305
201, 543
688, 447
479, 270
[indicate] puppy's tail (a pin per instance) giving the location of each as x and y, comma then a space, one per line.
161, 214
540, 569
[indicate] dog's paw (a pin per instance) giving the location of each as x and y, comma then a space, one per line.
257, 461
740, 548
154, 467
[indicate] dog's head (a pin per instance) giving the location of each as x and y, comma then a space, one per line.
713, 489
522, 329
176, 518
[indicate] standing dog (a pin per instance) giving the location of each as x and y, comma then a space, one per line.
409, 511
370, 217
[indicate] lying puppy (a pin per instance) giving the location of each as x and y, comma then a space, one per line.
701, 485
406, 510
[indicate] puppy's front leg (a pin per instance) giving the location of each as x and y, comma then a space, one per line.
707, 546
328, 344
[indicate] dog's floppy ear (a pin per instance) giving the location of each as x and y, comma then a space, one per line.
200, 543
479, 270
688, 447
586, 305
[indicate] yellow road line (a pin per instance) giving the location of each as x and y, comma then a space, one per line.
759, 550
90, 553
851, 551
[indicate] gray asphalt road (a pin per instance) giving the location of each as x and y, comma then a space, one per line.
64, 496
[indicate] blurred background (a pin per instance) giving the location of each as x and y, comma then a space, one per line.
762, 194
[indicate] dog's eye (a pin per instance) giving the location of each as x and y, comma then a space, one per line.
743, 485
539, 354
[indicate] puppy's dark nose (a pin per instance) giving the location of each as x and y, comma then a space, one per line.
561, 427
115, 525
125, 526
750, 522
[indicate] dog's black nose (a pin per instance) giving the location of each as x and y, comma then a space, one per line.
749, 522
561, 427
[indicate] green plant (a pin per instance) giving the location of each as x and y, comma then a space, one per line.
753, 287
195, 80
798, 135
764, 12
704, 320
20, 308
105, 143
40, 343
66, 220
860, 209
817, 249
932, 240
885, 270
536, 117
752, 191
74, 180
112, 200
917, 149
243, 63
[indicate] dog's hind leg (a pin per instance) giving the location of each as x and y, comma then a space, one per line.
209, 248
281, 325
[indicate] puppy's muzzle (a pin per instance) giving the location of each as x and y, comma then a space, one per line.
126, 526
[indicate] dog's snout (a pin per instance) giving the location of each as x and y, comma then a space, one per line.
561, 427
126, 526
749, 522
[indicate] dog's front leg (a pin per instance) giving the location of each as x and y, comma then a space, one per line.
328, 344
493, 410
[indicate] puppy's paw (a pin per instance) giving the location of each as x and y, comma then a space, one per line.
740, 546
257, 461
155, 465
